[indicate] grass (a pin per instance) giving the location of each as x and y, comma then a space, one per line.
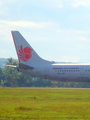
44, 104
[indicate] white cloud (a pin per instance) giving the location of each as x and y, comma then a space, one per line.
83, 38
77, 4
27, 24
60, 6
1, 2
80, 46
47, 3
74, 35
74, 3
71, 31
39, 3
70, 59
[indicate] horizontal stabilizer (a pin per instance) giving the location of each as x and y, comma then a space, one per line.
13, 66
23, 66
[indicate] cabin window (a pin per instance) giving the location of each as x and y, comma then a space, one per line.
55, 70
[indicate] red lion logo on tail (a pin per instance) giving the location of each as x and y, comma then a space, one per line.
24, 53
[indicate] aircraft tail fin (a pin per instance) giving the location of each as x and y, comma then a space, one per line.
26, 54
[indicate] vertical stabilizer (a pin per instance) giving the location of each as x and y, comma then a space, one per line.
26, 54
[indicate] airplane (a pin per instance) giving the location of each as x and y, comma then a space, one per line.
32, 64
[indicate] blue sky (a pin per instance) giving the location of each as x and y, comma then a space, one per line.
57, 29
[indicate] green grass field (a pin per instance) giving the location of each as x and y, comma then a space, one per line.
44, 104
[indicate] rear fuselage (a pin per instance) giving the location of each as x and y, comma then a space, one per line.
61, 72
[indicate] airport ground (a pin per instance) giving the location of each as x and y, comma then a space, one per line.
44, 104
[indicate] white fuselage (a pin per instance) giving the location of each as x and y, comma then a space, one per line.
61, 72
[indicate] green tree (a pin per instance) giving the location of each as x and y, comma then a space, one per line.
24, 80
10, 74
11, 61
1, 77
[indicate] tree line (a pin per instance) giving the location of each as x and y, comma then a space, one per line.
10, 77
